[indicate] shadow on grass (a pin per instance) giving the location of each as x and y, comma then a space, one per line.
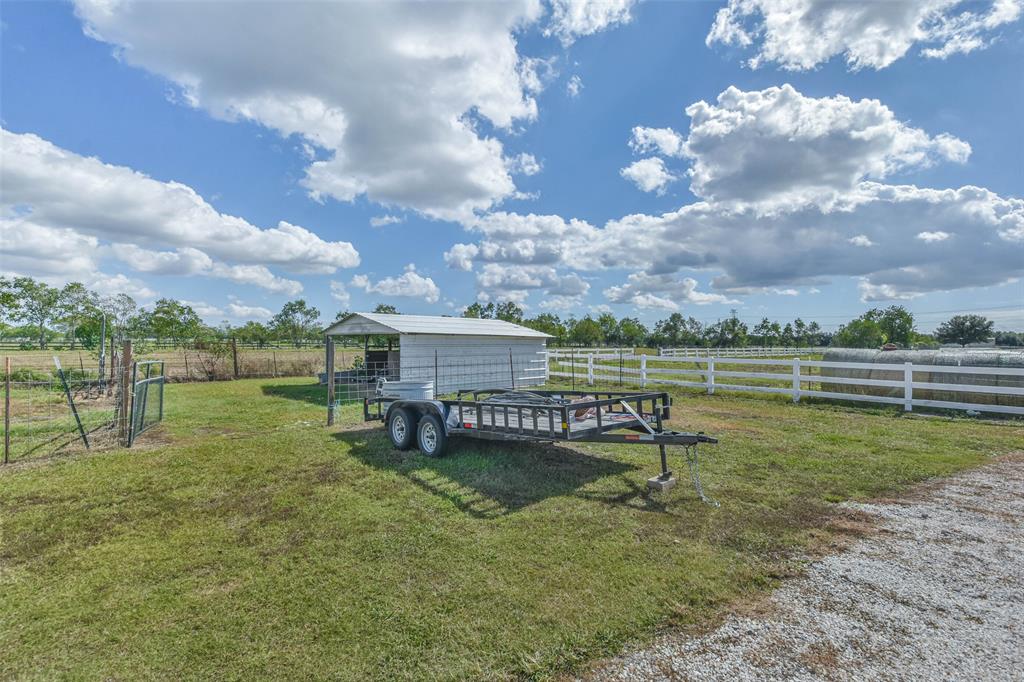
487, 480
313, 393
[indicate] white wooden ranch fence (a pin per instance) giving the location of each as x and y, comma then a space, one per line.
582, 352
795, 373
743, 352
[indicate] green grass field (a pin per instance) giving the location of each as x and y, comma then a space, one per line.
242, 538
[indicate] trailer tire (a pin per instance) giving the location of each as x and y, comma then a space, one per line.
431, 436
401, 428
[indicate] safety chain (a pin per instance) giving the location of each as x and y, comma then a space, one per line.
692, 459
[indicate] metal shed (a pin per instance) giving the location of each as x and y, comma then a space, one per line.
456, 353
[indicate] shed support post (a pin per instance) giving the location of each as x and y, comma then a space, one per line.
329, 345
796, 380
643, 371
590, 369
908, 386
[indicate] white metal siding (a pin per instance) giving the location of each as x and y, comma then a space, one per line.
464, 362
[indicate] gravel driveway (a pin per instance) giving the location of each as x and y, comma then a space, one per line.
936, 593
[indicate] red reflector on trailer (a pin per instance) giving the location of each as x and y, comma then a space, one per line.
632, 437
467, 426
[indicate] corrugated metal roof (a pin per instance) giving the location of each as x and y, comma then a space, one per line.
377, 323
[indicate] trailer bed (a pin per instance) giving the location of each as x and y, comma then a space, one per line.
547, 416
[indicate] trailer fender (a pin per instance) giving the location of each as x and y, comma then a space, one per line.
420, 408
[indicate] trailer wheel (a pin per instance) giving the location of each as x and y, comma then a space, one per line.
401, 426
431, 436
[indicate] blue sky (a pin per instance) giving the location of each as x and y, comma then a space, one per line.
427, 120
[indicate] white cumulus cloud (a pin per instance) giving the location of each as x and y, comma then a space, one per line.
388, 92
49, 191
649, 175
777, 147
664, 141
665, 292
409, 284
801, 34
571, 19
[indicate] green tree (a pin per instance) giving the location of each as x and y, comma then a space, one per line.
1011, 339
8, 299
174, 320
677, 330
813, 335
298, 320
477, 310
120, 310
253, 332
728, 332
859, 333
788, 335
36, 305
965, 329
548, 323
896, 322
76, 305
631, 332
586, 332
382, 308
763, 332
509, 311
609, 328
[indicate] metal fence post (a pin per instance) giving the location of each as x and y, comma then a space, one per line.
330, 381
711, 376
590, 369
643, 371
124, 428
796, 380
908, 386
7, 409
234, 355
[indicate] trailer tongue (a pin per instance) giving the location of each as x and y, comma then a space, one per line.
540, 416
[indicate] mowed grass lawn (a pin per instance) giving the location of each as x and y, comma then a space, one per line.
243, 539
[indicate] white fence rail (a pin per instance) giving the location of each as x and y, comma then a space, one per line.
583, 352
744, 352
803, 378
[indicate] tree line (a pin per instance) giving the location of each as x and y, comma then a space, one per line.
73, 315
875, 328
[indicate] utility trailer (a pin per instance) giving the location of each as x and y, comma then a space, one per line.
539, 416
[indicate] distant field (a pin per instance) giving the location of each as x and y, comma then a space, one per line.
244, 539
182, 364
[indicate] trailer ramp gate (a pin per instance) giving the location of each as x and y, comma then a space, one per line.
549, 416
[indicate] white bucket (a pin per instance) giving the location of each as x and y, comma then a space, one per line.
406, 390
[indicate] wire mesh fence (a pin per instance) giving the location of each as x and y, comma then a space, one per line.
46, 413
66, 409
206, 361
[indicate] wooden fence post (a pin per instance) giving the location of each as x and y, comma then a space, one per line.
124, 428
330, 381
796, 380
710, 380
7, 409
643, 371
908, 386
234, 355
590, 369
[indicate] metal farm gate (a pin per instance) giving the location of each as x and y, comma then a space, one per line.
147, 407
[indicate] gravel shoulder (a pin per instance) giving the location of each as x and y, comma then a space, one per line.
936, 592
